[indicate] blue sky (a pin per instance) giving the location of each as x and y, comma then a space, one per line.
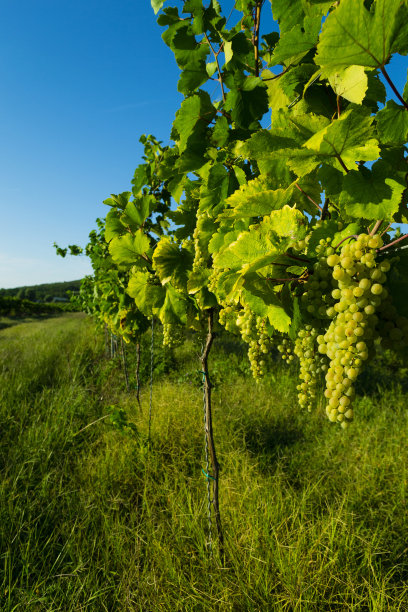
81, 81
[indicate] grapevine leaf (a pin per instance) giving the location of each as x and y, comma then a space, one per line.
290, 14
172, 263
196, 109
140, 178
350, 137
174, 309
156, 5
247, 100
148, 297
118, 201
287, 14
352, 34
198, 279
113, 225
392, 124
129, 249
286, 223
205, 299
214, 190
331, 180
220, 132
296, 43
256, 199
136, 212
370, 194
350, 83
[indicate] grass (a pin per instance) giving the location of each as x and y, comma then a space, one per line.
315, 518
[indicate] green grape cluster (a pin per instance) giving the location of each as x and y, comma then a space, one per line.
213, 279
199, 259
286, 351
349, 338
172, 335
254, 332
312, 365
227, 317
316, 296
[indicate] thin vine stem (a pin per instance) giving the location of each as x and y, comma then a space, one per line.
400, 239
355, 236
394, 89
376, 227
218, 66
309, 198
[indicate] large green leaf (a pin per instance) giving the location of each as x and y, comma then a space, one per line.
371, 194
198, 279
113, 225
286, 223
172, 263
350, 138
353, 34
136, 212
256, 199
350, 83
174, 308
214, 190
392, 124
148, 297
297, 42
129, 249
193, 110
247, 101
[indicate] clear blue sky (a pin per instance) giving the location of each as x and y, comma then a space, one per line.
81, 80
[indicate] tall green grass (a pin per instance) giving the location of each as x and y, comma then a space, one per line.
91, 518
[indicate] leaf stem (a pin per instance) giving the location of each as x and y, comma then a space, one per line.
218, 66
394, 89
386, 230
325, 210
309, 198
257, 24
355, 236
376, 227
387, 246
341, 162
297, 258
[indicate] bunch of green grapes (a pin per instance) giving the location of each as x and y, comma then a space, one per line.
316, 296
213, 279
312, 365
349, 338
199, 259
227, 317
172, 335
254, 332
286, 350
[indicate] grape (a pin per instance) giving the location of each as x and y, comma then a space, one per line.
172, 335
254, 332
359, 294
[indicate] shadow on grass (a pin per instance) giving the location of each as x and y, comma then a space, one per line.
268, 441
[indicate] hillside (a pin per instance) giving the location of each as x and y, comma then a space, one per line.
44, 292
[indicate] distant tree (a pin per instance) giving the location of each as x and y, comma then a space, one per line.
30, 294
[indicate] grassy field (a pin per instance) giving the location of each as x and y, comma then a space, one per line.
315, 517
